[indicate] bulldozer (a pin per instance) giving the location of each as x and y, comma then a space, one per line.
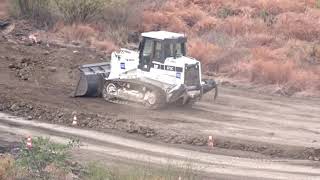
158, 74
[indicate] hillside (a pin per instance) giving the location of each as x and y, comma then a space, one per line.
271, 45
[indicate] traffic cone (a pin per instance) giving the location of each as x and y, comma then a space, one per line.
29, 142
210, 142
74, 122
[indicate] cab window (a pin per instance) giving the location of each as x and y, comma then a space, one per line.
169, 50
175, 50
147, 50
157, 51
180, 49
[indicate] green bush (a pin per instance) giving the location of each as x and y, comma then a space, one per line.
225, 12
46, 12
39, 10
43, 153
120, 16
76, 11
267, 17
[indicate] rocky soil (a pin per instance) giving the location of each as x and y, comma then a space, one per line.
36, 80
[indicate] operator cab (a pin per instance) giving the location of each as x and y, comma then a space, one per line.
158, 46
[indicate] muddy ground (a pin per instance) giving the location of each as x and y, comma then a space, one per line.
36, 81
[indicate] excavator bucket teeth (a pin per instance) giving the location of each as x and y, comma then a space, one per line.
91, 79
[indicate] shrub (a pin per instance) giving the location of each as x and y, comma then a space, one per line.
224, 12
303, 26
43, 157
241, 25
39, 10
3, 9
76, 11
105, 45
203, 51
78, 32
271, 72
6, 167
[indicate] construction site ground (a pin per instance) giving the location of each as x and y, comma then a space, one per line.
37, 81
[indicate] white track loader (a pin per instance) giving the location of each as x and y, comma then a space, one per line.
158, 74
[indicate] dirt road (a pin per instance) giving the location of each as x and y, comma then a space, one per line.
211, 164
36, 81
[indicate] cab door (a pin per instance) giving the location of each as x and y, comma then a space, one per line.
146, 54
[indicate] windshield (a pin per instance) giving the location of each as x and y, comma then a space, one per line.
175, 50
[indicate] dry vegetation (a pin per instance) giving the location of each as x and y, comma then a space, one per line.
3, 9
259, 41
266, 42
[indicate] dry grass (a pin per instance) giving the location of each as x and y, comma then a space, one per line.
260, 41
78, 33
105, 45
6, 167
87, 34
3, 9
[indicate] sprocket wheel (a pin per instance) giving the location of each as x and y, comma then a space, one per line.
110, 91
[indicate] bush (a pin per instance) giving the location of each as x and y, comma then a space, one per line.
118, 17
318, 3
6, 167
79, 32
39, 10
43, 157
75, 11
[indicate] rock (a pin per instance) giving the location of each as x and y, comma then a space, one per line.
12, 66
25, 60
316, 158
30, 107
52, 69
29, 44
29, 118
76, 43
46, 53
60, 115
14, 107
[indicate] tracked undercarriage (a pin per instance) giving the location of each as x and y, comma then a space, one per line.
126, 91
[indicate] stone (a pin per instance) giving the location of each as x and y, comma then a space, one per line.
46, 53
29, 118
14, 107
12, 66
52, 69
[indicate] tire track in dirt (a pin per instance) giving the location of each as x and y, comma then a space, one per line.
157, 154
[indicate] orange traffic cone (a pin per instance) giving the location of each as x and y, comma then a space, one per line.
74, 122
29, 142
210, 142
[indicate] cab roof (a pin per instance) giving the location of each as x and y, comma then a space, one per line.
162, 35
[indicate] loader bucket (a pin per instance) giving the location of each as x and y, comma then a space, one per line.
91, 79
210, 85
